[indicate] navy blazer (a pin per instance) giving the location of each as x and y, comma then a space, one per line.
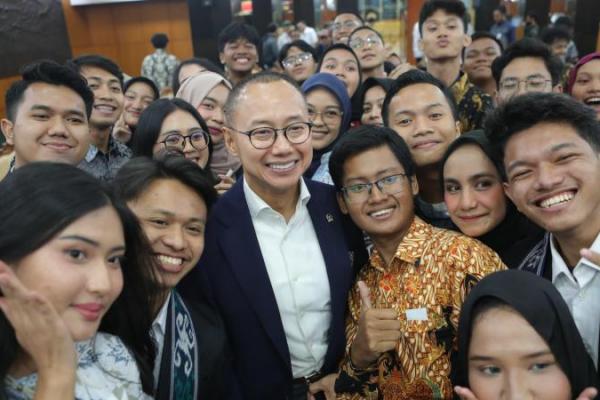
232, 269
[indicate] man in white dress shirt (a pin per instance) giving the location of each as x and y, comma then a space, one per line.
550, 146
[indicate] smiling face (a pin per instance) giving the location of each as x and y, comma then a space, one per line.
508, 359
137, 98
478, 59
587, 85
372, 106
342, 27
183, 123
326, 116
79, 270
276, 170
521, 69
173, 217
381, 216
342, 63
211, 110
420, 113
444, 36
369, 49
473, 191
239, 56
108, 96
300, 70
50, 125
553, 178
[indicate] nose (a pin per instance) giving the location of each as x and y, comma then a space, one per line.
317, 119
98, 279
187, 145
174, 238
376, 195
137, 103
58, 127
467, 199
102, 92
281, 145
422, 126
547, 177
218, 115
515, 387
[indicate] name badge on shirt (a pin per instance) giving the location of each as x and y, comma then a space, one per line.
416, 314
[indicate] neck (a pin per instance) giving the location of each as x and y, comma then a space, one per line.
377, 72
100, 137
446, 70
582, 237
388, 245
430, 187
282, 202
235, 76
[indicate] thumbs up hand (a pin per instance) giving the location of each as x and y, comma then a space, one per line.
378, 331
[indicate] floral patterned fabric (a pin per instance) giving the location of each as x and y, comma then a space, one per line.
430, 275
106, 371
472, 103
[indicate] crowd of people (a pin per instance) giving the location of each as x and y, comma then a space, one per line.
329, 224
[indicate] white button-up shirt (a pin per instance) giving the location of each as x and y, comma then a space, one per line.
581, 291
298, 276
158, 332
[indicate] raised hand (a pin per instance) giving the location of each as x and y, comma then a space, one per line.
378, 331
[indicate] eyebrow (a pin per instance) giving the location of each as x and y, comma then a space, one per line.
428, 107
171, 214
536, 354
42, 107
377, 174
97, 78
553, 149
90, 242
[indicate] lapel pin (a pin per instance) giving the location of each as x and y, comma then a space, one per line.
329, 218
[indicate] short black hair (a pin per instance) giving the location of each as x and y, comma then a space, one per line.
564, 20
139, 173
530, 109
261, 77
367, 28
554, 33
272, 27
533, 15
299, 44
451, 7
358, 16
486, 35
236, 30
98, 61
414, 77
159, 40
202, 62
142, 79
364, 138
52, 73
528, 47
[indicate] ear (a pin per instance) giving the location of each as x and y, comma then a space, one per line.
341, 202
458, 128
414, 185
230, 142
221, 57
420, 43
467, 40
7, 130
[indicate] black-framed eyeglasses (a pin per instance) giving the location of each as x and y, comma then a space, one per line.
357, 43
264, 137
300, 58
360, 192
532, 84
198, 139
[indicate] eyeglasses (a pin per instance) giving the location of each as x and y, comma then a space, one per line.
360, 192
532, 84
331, 115
175, 141
349, 24
296, 59
357, 43
265, 136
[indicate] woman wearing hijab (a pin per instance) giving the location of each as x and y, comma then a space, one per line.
341, 61
329, 111
584, 81
476, 202
517, 339
372, 94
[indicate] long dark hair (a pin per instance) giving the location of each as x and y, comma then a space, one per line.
151, 120
41, 199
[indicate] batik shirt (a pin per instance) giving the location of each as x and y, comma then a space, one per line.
426, 282
472, 103
159, 67
105, 166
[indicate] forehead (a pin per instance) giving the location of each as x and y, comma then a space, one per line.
375, 91
239, 41
469, 158
483, 43
340, 55
269, 101
522, 67
294, 50
346, 17
55, 97
363, 33
441, 16
93, 72
140, 87
590, 67
172, 195
179, 119
371, 162
540, 139
321, 94
417, 96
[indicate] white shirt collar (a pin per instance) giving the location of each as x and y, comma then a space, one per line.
160, 323
560, 267
256, 204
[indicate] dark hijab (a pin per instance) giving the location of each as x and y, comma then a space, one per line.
515, 235
538, 302
355, 98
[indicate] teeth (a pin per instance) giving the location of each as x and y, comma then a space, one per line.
593, 101
381, 213
283, 166
242, 60
105, 108
558, 199
170, 260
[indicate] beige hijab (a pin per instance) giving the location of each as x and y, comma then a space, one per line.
193, 90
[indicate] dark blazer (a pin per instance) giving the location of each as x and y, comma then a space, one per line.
233, 268
214, 358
